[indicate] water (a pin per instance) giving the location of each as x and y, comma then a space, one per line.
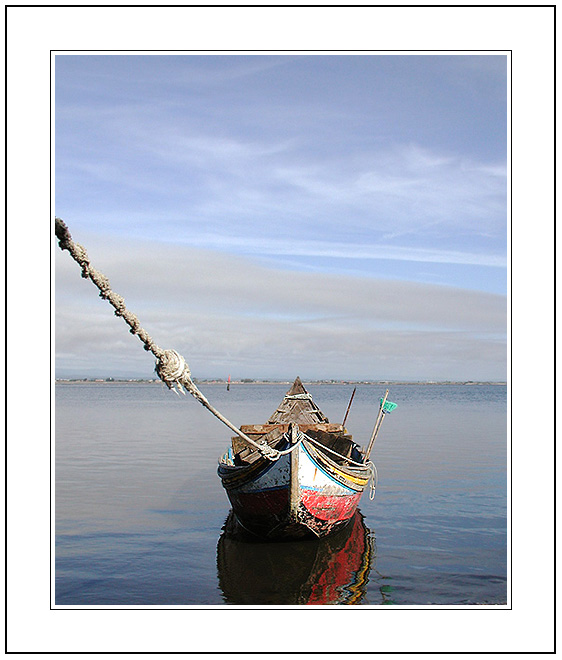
140, 510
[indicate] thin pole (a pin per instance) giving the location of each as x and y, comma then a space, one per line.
376, 428
348, 407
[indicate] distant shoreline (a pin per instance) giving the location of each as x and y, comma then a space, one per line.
247, 381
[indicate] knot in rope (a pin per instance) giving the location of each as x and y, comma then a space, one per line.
173, 370
269, 452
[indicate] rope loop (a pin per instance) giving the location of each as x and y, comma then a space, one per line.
269, 452
373, 479
173, 369
301, 436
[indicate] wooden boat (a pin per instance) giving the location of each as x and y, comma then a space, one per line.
313, 486
295, 475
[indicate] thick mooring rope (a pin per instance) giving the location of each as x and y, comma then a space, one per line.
171, 367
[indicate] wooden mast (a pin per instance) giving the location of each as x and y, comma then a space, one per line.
377, 427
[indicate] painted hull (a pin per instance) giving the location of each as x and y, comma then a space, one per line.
302, 493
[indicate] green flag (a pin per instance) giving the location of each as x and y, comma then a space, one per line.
388, 406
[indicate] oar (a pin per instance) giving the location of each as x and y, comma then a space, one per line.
348, 407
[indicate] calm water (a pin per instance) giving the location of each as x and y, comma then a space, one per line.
140, 510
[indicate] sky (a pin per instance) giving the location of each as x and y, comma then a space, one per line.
267, 216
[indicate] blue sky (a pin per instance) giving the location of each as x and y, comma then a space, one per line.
343, 216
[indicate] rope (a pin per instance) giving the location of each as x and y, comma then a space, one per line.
373, 479
335, 453
171, 367
373, 474
301, 436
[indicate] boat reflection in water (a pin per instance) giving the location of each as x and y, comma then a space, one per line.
330, 571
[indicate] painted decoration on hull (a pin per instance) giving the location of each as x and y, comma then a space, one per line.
329, 507
262, 503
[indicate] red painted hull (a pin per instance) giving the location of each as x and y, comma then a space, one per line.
329, 507
298, 495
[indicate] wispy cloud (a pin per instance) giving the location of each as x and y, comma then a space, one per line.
250, 189
206, 304
377, 251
